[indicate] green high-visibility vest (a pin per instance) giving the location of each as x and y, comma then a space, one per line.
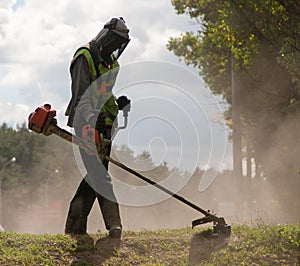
102, 102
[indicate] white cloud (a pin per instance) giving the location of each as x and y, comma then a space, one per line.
10, 113
4, 15
7, 4
38, 39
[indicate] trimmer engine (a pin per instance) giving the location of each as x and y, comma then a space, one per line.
41, 118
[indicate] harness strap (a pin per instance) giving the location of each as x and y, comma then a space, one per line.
95, 56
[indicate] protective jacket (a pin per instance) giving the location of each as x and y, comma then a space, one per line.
92, 84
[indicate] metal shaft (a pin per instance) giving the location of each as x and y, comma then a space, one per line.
91, 148
146, 179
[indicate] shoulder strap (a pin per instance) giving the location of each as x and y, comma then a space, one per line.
95, 56
91, 47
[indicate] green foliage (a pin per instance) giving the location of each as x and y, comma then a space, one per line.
243, 30
21, 144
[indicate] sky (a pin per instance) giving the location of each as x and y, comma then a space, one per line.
173, 113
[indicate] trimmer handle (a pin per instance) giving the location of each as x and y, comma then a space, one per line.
125, 115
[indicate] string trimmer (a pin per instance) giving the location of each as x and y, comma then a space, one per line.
42, 121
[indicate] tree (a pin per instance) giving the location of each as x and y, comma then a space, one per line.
37, 157
259, 42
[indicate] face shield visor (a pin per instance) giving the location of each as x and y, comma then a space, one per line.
114, 44
117, 38
120, 50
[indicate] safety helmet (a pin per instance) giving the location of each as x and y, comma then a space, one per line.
117, 25
114, 37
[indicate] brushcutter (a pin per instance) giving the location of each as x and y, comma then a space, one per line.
42, 121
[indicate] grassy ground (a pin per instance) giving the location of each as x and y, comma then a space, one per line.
259, 245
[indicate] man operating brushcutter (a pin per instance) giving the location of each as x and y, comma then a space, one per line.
92, 110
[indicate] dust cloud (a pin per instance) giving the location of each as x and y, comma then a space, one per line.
269, 195
251, 202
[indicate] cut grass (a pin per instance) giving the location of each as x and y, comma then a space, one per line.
259, 245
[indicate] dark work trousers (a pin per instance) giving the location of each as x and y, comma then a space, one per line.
96, 184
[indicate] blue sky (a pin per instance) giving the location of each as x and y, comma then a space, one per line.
173, 113
18, 4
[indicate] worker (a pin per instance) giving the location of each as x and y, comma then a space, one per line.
94, 69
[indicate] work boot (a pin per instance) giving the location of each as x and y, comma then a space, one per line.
115, 231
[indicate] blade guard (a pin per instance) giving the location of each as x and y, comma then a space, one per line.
220, 226
40, 119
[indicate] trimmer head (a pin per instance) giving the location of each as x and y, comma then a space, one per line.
220, 226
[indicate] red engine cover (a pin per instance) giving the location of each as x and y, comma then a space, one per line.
37, 120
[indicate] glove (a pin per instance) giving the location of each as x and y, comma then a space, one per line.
97, 121
123, 103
